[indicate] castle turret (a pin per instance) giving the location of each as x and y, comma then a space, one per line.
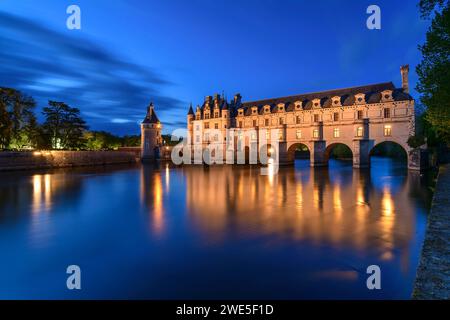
151, 140
190, 121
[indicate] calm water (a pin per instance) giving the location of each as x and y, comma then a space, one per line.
223, 232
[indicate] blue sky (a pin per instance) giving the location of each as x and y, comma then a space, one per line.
174, 52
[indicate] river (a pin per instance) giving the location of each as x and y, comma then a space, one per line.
193, 232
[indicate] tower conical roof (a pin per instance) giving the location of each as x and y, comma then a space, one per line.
191, 111
151, 115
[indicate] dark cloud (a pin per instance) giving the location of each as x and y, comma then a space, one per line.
111, 93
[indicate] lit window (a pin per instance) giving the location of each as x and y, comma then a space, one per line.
315, 133
267, 134
280, 135
298, 134
387, 130
360, 132
336, 132
253, 136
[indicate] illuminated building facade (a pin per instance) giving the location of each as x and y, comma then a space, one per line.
358, 117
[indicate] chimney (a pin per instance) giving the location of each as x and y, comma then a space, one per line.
404, 70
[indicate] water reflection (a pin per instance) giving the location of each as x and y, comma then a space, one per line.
169, 232
151, 195
42, 193
342, 208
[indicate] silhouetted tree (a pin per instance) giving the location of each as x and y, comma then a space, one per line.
63, 126
16, 118
433, 70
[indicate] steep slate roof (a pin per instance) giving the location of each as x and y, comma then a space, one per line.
151, 115
372, 94
190, 110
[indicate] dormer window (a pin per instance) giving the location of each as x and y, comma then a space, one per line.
267, 109
241, 112
316, 103
336, 101
281, 107
298, 105
360, 98
386, 95
254, 110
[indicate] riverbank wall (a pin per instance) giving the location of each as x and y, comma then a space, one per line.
10, 161
433, 273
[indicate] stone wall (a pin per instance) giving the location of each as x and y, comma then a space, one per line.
433, 273
58, 159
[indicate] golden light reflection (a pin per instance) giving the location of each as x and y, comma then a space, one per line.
337, 203
387, 224
158, 212
270, 170
42, 193
37, 194
311, 208
387, 202
167, 177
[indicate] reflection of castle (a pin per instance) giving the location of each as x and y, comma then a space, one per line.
327, 207
359, 117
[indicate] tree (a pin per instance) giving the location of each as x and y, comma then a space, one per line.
433, 70
63, 126
101, 140
16, 118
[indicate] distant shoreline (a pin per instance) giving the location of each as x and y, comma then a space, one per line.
30, 160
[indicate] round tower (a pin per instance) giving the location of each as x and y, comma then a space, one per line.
151, 139
190, 123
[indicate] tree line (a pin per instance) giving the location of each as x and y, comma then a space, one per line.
63, 127
434, 76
